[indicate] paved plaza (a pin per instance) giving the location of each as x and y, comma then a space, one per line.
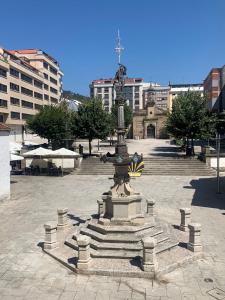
27, 273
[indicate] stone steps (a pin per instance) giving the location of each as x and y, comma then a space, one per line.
169, 166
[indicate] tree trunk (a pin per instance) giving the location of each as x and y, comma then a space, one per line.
188, 150
192, 147
89, 146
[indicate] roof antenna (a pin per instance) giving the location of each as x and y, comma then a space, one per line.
119, 48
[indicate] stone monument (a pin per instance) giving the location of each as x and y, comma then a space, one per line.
123, 239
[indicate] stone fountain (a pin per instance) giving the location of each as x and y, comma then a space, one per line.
123, 239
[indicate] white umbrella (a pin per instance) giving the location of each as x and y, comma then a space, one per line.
14, 157
38, 152
14, 147
64, 153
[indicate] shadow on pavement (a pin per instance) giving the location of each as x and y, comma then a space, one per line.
205, 194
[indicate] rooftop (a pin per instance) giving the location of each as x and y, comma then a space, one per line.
34, 51
111, 80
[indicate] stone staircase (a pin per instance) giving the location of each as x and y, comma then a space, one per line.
119, 242
154, 165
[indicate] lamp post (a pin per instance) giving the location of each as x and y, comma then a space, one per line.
218, 161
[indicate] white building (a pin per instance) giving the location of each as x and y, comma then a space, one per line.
104, 89
176, 89
4, 163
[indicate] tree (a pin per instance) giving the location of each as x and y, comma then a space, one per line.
190, 119
91, 121
52, 123
128, 116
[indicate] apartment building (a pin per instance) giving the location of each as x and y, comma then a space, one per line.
176, 89
29, 79
157, 94
104, 89
214, 86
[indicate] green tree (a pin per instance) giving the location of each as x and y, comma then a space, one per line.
52, 123
91, 121
190, 119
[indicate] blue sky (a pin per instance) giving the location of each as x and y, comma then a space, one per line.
164, 40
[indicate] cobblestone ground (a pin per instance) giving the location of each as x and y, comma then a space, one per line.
27, 273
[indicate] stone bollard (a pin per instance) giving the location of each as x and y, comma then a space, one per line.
100, 207
150, 207
194, 243
50, 236
62, 218
149, 263
84, 257
185, 218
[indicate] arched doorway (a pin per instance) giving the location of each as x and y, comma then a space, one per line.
151, 131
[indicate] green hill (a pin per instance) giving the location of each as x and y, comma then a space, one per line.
72, 95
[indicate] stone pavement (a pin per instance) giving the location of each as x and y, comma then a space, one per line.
27, 273
147, 147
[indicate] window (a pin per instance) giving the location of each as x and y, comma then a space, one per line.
1, 118
26, 78
3, 103
38, 84
136, 102
53, 80
26, 91
106, 96
46, 97
15, 115
46, 87
14, 72
45, 65
3, 72
54, 100
15, 101
14, 87
53, 90
26, 116
53, 70
38, 95
27, 104
45, 76
106, 102
3, 88
106, 90
99, 90
37, 106
107, 108
136, 89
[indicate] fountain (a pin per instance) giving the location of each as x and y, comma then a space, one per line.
123, 239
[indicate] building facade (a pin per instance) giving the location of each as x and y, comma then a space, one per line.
149, 122
104, 89
214, 86
29, 79
177, 89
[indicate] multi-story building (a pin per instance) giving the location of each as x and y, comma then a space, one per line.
104, 89
214, 86
176, 89
29, 79
157, 94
